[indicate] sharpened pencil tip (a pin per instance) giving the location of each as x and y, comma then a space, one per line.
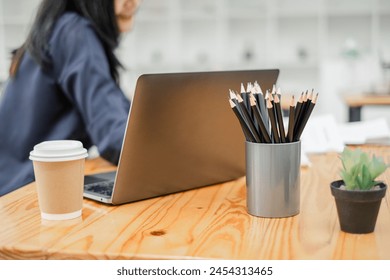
252, 100
232, 94
242, 88
251, 96
310, 96
253, 90
239, 98
273, 89
276, 98
249, 87
271, 97
315, 99
269, 104
258, 88
300, 100
292, 104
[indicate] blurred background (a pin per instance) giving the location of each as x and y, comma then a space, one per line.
337, 47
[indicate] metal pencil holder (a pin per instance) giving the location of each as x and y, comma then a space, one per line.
273, 179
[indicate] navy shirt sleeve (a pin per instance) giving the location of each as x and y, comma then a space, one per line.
83, 74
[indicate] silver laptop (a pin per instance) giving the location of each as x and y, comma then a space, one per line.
181, 134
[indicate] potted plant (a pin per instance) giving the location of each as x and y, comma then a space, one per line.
358, 196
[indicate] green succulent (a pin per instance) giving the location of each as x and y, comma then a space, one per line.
359, 170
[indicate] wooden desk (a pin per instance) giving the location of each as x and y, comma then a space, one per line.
356, 102
210, 222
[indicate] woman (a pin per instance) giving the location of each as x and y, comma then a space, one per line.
64, 84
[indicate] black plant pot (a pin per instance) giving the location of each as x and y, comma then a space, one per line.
357, 210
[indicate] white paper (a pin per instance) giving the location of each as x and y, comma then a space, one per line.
362, 132
322, 135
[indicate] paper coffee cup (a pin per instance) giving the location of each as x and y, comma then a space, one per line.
59, 176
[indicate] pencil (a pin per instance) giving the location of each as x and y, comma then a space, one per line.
304, 103
298, 107
245, 96
271, 115
242, 88
279, 93
307, 100
254, 119
271, 98
273, 89
245, 129
259, 99
249, 87
310, 97
248, 119
306, 118
233, 97
262, 130
298, 112
290, 133
279, 118
261, 103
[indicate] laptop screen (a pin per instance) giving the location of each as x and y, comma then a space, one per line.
182, 134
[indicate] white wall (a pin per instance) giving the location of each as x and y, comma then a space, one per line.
333, 46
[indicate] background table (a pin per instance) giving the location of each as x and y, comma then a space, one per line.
355, 104
209, 222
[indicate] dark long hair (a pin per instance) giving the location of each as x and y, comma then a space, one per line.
100, 12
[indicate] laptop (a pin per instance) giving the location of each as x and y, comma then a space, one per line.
181, 134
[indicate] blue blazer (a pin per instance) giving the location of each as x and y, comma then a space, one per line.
77, 99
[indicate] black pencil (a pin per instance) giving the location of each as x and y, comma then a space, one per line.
271, 115
279, 118
290, 133
249, 87
242, 89
254, 119
306, 118
261, 104
271, 98
304, 104
248, 119
298, 107
245, 97
310, 97
307, 101
273, 91
299, 111
233, 97
245, 129
279, 93
255, 94
260, 122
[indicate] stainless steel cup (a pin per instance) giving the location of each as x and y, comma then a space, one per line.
273, 179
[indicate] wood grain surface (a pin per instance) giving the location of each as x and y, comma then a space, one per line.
363, 100
207, 223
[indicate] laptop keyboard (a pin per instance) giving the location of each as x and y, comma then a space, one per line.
102, 188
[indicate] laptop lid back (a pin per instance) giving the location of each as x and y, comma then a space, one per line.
182, 134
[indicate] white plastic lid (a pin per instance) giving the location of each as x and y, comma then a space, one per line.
58, 150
